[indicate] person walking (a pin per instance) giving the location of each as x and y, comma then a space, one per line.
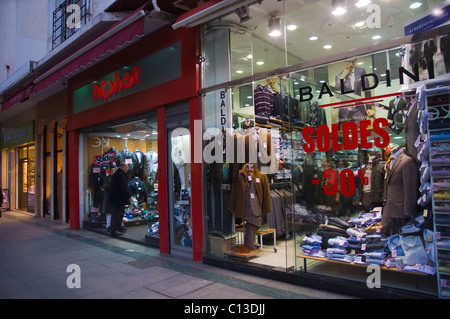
105, 186
119, 196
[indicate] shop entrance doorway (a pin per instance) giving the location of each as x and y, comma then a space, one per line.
180, 217
26, 185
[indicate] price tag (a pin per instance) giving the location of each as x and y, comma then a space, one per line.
363, 247
257, 179
252, 195
378, 229
249, 178
128, 161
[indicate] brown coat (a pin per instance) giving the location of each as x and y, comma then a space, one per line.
402, 189
238, 189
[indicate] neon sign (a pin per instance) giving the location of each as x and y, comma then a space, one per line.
105, 89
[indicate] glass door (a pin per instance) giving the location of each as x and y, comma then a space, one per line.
180, 189
26, 185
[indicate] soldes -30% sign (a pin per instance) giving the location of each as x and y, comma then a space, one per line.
346, 183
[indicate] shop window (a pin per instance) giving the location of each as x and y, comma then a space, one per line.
306, 183
287, 33
135, 143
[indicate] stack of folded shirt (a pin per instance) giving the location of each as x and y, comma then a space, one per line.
312, 246
355, 243
333, 227
375, 257
337, 250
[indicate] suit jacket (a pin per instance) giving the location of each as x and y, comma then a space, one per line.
357, 84
238, 192
394, 110
412, 131
402, 188
357, 87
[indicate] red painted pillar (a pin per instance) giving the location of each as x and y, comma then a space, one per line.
74, 181
196, 182
162, 182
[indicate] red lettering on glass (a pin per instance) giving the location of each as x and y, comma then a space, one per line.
107, 88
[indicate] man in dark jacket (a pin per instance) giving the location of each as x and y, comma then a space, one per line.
119, 196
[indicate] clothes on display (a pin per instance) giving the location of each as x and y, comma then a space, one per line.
144, 208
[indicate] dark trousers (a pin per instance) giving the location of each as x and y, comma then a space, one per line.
117, 213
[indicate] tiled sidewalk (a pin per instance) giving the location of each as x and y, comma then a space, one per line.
35, 254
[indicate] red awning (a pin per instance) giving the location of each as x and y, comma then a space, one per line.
110, 44
80, 59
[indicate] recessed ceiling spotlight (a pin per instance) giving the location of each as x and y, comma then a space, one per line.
327, 46
239, 71
260, 62
292, 27
376, 37
274, 26
313, 38
362, 3
359, 24
414, 4
338, 7
249, 56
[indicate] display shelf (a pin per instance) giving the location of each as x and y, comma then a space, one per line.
435, 107
382, 267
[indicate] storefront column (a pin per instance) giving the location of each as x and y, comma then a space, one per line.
196, 183
162, 182
73, 176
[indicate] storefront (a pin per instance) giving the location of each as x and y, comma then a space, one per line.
137, 106
319, 139
18, 166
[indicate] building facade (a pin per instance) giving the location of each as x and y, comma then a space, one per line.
300, 140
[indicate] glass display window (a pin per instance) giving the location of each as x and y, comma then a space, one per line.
309, 186
105, 148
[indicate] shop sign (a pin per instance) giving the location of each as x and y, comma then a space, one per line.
106, 88
18, 135
105, 158
429, 20
151, 71
306, 91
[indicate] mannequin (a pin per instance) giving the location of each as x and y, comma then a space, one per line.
401, 191
250, 200
138, 189
371, 191
151, 166
140, 161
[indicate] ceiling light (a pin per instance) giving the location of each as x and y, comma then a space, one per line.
437, 12
359, 24
327, 46
274, 26
338, 7
249, 56
239, 71
292, 27
362, 3
260, 62
313, 38
414, 4
376, 37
